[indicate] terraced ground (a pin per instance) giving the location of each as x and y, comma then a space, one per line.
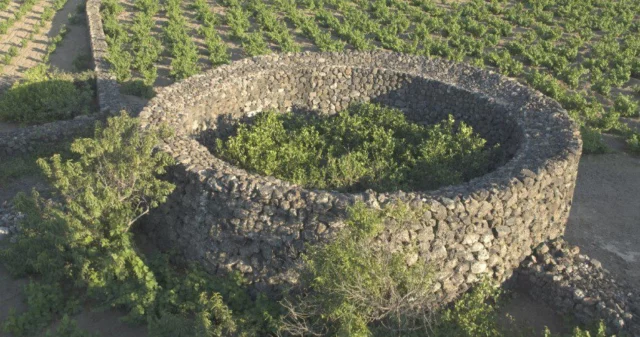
40, 32
585, 54
32, 30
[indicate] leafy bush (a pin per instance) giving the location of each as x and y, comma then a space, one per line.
592, 142
356, 288
626, 106
68, 328
473, 314
633, 142
365, 146
82, 62
183, 49
85, 242
82, 247
45, 96
137, 88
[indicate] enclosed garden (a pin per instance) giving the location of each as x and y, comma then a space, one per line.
255, 187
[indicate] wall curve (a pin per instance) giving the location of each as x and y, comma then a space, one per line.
229, 219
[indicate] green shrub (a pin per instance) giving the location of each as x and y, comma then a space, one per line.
473, 314
45, 96
592, 142
365, 146
137, 88
82, 62
83, 248
633, 142
625, 106
85, 242
357, 288
69, 328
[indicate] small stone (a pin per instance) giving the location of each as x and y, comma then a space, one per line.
618, 323
321, 228
575, 250
543, 249
4, 232
476, 247
478, 267
596, 263
501, 231
483, 255
487, 238
448, 203
404, 236
470, 239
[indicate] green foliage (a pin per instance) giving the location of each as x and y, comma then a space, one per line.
192, 302
18, 166
345, 29
24, 8
68, 328
472, 315
146, 49
45, 96
82, 247
276, 29
633, 142
592, 142
137, 88
355, 287
44, 301
254, 44
82, 62
505, 63
365, 146
626, 106
183, 49
322, 39
599, 331
218, 51
84, 243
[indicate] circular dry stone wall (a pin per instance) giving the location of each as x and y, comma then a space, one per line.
229, 219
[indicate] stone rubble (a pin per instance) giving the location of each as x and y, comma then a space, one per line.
572, 283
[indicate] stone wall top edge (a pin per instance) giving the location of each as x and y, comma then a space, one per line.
534, 157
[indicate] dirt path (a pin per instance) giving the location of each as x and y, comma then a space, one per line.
605, 216
74, 44
33, 53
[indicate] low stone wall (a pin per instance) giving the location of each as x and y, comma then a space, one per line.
573, 284
107, 89
28, 139
25, 139
229, 219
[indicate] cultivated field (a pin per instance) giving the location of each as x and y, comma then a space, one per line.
585, 54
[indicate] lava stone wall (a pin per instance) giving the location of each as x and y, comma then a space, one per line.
230, 219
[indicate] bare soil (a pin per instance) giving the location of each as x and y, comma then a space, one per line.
74, 44
605, 216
